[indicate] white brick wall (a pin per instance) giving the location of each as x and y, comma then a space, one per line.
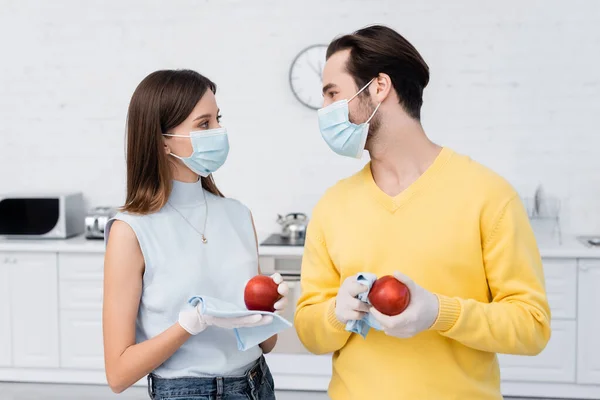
515, 84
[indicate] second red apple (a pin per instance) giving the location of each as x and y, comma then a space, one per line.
389, 296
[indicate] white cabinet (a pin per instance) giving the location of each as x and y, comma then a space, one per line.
80, 288
5, 324
288, 341
51, 324
561, 287
34, 309
81, 339
588, 329
556, 363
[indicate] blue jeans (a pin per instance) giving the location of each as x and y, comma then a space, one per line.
257, 384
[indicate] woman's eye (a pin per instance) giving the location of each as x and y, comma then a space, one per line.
219, 118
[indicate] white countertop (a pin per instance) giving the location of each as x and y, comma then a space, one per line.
80, 244
570, 249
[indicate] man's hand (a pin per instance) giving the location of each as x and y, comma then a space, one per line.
347, 306
421, 313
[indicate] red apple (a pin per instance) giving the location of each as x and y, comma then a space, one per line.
261, 294
389, 296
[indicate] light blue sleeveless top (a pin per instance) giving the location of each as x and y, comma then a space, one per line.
178, 265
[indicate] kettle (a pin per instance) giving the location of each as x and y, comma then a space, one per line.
293, 225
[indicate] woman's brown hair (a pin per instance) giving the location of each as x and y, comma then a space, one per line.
162, 101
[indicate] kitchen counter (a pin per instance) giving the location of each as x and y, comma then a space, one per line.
80, 244
571, 248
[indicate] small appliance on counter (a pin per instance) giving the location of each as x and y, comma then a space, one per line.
41, 216
293, 231
96, 220
544, 216
589, 241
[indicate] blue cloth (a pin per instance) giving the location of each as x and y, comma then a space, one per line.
247, 338
362, 326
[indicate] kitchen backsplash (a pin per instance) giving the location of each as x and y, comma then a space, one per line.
513, 84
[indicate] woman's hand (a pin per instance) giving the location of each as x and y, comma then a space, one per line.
283, 289
194, 322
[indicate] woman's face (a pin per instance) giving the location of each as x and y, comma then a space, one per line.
204, 116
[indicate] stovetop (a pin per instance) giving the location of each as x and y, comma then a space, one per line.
278, 240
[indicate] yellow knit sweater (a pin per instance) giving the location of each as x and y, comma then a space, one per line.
461, 232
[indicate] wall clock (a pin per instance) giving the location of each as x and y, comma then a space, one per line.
306, 76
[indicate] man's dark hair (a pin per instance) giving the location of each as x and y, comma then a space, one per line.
379, 49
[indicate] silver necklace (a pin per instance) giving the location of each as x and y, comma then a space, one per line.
204, 240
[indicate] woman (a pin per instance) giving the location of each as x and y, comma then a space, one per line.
176, 237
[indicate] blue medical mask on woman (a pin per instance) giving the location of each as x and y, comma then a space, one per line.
209, 150
342, 136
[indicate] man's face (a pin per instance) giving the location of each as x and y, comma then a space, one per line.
338, 84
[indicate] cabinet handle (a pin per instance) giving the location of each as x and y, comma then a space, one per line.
6, 260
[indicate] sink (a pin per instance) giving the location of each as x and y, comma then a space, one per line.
589, 241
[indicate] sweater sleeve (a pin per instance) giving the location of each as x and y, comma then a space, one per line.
315, 320
517, 318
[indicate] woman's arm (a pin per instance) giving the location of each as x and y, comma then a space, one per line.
125, 361
268, 345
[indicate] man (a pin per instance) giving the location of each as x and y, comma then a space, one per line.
450, 229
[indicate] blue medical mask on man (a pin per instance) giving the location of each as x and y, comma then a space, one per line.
344, 137
209, 150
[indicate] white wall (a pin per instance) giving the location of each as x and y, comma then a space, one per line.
514, 84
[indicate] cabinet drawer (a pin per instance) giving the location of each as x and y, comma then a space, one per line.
555, 364
81, 339
29, 259
80, 295
81, 266
5, 315
561, 287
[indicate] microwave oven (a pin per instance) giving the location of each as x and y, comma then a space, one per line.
42, 216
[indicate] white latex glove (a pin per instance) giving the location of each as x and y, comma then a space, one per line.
283, 289
194, 322
347, 306
421, 313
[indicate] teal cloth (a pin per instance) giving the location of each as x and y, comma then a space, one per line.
246, 337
